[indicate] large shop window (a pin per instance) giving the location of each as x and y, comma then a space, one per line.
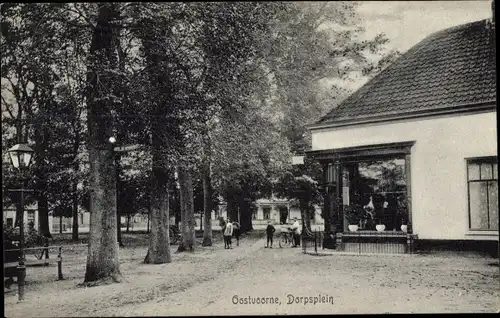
482, 179
379, 187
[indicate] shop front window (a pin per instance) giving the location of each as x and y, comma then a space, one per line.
379, 188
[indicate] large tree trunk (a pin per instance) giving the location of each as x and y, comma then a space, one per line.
187, 210
40, 135
159, 240
233, 207
43, 215
190, 210
102, 259
306, 218
207, 205
149, 218
74, 235
183, 223
245, 213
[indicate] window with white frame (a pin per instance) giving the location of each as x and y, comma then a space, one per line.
482, 182
31, 217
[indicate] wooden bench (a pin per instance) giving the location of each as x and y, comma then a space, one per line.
11, 268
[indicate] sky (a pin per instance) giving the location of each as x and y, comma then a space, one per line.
406, 23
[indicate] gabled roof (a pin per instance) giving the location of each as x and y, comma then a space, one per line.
454, 67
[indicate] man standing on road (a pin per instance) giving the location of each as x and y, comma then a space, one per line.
270, 231
228, 232
296, 232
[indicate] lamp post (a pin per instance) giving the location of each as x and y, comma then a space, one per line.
112, 141
20, 156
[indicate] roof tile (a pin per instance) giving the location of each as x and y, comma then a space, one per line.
451, 67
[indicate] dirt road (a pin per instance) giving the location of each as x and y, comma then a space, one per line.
215, 281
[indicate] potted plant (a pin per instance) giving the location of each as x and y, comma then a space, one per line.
404, 222
379, 226
353, 216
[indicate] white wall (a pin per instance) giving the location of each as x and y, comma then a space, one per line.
438, 167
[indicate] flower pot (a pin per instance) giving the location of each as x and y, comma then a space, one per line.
353, 228
380, 227
404, 228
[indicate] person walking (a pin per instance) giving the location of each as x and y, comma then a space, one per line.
270, 232
228, 233
296, 232
222, 224
236, 232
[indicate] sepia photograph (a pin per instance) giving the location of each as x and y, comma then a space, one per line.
240, 158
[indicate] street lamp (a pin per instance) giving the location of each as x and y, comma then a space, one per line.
20, 156
116, 156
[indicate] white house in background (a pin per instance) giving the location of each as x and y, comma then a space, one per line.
272, 209
430, 119
31, 215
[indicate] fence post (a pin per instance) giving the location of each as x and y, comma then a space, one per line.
59, 264
303, 244
46, 251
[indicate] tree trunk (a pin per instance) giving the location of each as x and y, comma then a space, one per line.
74, 234
305, 216
119, 229
207, 205
43, 215
149, 217
309, 214
128, 223
159, 240
102, 260
190, 210
103, 263
187, 210
177, 218
60, 225
232, 210
245, 213
182, 198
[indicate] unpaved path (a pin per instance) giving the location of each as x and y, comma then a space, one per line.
356, 285
209, 281
47, 297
